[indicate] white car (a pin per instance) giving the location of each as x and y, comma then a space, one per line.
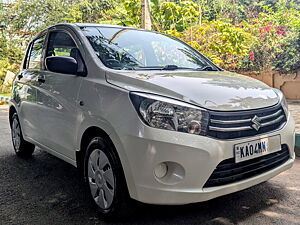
145, 116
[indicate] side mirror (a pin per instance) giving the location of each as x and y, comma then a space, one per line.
61, 64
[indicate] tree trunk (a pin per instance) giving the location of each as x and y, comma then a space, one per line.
146, 19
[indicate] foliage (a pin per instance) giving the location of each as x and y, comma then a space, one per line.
287, 58
278, 42
223, 42
10, 59
24, 18
35, 15
133, 9
171, 15
238, 35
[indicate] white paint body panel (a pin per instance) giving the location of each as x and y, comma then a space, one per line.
59, 126
214, 90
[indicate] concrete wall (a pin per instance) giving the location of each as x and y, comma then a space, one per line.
289, 84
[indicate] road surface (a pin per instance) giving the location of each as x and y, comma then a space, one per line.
45, 190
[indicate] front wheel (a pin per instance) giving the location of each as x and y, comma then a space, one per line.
22, 148
105, 179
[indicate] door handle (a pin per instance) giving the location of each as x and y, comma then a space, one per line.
41, 79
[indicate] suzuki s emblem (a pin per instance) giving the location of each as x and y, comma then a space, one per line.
256, 122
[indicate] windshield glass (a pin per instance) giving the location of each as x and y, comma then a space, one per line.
123, 48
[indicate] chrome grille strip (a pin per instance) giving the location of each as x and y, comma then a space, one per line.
230, 121
273, 121
271, 115
242, 128
230, 129
245, 120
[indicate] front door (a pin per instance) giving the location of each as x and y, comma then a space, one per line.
57, 99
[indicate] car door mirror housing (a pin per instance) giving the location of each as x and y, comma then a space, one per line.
61, 64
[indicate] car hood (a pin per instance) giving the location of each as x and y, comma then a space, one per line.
214, 90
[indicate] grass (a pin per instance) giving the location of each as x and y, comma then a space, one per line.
298, 140
5, 94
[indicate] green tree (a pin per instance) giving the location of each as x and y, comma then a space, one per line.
10, 59
35, 15
240, 35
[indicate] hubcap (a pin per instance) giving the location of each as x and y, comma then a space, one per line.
16, 134
101, 179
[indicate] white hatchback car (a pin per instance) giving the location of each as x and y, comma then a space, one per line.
146, 116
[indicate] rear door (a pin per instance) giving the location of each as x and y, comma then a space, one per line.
57, 97
24, 92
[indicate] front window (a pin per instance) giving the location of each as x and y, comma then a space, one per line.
60, 44
123, 48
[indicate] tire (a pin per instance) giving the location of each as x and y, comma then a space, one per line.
22, 148
105, 180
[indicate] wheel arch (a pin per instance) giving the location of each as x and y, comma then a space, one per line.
92, 132
11, 112
86, 137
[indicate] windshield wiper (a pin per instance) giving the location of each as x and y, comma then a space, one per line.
166, 67
173, 67
207, 68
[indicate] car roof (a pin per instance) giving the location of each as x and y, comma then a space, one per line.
87, 25
99, 25
95, 25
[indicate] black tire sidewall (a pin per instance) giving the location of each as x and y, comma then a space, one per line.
25, 149
103, 145
15, 117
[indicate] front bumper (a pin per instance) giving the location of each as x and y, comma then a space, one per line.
197, 155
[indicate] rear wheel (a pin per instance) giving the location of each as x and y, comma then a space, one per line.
105, 180
22, 148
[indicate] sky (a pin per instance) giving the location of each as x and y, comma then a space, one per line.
6, 1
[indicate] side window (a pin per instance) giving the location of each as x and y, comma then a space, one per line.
27, 55
36, 53
60, 44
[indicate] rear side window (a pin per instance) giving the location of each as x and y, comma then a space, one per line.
36, 53
26, 60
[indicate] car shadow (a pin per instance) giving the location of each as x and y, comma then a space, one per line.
46, 190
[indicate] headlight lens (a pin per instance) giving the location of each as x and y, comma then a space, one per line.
169, 114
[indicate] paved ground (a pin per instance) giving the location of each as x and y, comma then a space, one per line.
45, 190
294, 107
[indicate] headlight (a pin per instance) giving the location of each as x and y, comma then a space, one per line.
283, 101
169, 114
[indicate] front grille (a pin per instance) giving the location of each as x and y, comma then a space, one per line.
228, 171
230, 125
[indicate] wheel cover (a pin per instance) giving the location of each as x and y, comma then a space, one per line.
16, 134
101, 179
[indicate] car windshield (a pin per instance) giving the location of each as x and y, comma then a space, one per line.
130, 49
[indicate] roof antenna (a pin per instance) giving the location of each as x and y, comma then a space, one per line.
124, 24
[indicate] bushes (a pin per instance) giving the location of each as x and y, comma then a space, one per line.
238, 35
268, 41
176, 16
278, 44
10, 59
287, 58
277, 48
223, 42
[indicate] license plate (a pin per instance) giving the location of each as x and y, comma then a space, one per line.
253, 149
